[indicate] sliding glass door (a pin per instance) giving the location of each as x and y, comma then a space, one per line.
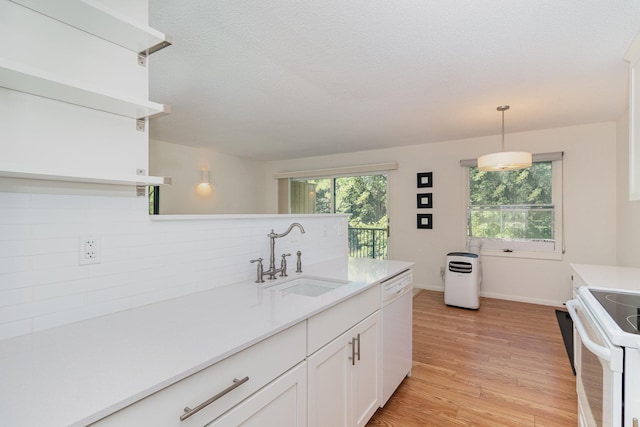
364, 197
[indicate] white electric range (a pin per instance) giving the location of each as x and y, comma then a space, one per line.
607, 356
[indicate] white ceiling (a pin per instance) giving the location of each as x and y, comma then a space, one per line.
282, 79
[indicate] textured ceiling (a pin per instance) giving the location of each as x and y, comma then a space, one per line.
283, 79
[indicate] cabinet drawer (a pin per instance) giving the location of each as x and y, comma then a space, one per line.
282, 403
262, 363
325, 326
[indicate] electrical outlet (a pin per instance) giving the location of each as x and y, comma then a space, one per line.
89, 250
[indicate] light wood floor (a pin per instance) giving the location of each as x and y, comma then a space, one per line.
502, 365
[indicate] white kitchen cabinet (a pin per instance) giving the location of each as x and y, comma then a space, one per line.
282, 403
633, 57
328, 324
343, 376
253, 368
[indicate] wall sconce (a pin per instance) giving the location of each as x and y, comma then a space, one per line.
205, 176
204, 187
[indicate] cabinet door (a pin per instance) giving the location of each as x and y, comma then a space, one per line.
343, 389
634, 130
366, 373
329, 385
282, 403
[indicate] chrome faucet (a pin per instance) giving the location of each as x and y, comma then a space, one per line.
272, 257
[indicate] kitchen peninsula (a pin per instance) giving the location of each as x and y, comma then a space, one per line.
79, 373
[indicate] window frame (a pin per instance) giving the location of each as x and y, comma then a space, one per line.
557, 202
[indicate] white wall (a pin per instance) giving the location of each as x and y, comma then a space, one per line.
590, 218
628, 213
236, 184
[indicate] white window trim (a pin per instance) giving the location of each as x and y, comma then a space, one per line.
377, 168
557, 201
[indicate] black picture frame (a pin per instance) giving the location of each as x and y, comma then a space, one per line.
425, 179
424, 200
425, 221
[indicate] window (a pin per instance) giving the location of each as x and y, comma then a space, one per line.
516, 213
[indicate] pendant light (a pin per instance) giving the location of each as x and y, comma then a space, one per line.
504, 160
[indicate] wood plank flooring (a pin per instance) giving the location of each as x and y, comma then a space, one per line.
502, 365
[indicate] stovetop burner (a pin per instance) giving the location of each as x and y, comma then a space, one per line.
623, 307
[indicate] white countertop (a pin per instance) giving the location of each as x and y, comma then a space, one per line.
76, 374
609, 276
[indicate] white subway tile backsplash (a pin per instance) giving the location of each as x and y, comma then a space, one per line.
42, 277
14, 200
56, 231
16, 296
11, 265
143, 261
33, 309
24, 247
124, 240
54, 201
54, 260
41, 216
98, 217
84, 285
14, 232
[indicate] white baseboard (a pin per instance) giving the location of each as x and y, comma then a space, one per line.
515, 298
522, 299
428, 287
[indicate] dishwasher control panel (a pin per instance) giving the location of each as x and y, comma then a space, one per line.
397, 285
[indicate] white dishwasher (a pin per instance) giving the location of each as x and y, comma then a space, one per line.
397, 307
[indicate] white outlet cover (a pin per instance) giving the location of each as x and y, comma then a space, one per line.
89, 249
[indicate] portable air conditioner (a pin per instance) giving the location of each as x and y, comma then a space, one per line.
462, 280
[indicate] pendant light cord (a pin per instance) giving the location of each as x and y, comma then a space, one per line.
503, 108
502, 130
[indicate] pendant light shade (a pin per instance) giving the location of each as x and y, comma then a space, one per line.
504, 160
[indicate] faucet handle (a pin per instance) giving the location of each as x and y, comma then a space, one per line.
259, 273
283, 265
299, 262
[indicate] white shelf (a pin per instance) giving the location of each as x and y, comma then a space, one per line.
95, 18
132, 180
27, 79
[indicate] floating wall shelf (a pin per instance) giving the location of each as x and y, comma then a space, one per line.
133, 180
27, 79
95, 18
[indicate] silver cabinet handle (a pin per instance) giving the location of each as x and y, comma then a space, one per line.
354, 352
188, 411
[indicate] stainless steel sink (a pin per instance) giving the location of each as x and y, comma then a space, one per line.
307, 286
